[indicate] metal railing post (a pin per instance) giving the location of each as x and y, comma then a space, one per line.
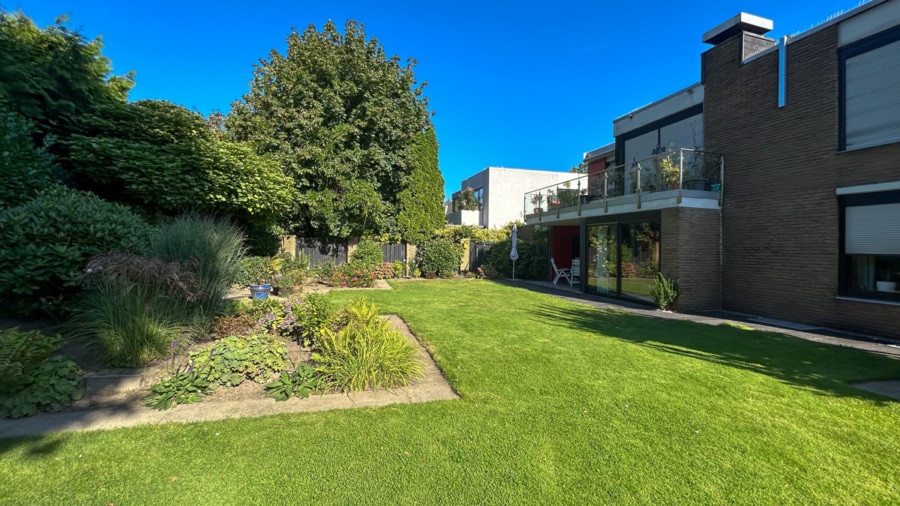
639, 189
681, 174
605, 190
578, 196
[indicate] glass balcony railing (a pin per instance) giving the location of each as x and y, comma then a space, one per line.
680, 172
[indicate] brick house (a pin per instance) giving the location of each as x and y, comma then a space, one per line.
805, 224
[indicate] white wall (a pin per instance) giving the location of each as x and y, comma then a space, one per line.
464, 218
504, 193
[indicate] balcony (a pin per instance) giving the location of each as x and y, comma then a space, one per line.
680, 177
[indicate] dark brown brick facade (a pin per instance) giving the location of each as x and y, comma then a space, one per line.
690, 252
780, 211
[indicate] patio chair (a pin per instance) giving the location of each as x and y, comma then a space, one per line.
575, 271
560, 273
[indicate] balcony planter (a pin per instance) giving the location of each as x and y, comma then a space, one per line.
260, 292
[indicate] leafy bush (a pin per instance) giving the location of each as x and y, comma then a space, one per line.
438, 257
298, 383
420, 209
235, 358
398, 267
351, 275
46, 243
27, 172
664, 292
386, 271
306, 319
212, 247
367, 254
31, 380
533, 262
365, 353
181, 387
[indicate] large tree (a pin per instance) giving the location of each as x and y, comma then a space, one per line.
421, 210
50, 75
341, 117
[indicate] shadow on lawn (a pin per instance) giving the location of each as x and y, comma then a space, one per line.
824, 368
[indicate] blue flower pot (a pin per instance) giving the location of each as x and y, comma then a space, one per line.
260, 292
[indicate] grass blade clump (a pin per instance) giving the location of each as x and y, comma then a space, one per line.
366, 353
214, 246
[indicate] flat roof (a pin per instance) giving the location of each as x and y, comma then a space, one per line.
743, 22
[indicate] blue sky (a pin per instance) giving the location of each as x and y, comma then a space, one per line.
513, 84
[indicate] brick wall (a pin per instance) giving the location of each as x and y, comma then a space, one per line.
782, 165
690, 252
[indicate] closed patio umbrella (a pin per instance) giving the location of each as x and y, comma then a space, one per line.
514, 252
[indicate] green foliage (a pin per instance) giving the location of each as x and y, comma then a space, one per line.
31, 380
27, 171
341, 117
298, 383
235, 358
51, 75
398, 268
213, 247
46, 243
131, 322
664, 292
20, 353
163, 158
438, 257
368, 254
182, 387
310, 318
365, 354
466, 201
457, 233
352, 275
257, 308
533, 262
421, 211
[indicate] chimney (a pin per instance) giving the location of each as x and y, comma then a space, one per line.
750, 27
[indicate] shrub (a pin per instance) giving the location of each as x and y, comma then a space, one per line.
398, 267
628, 270
365, 353
31, 380
306, 319
298, 383
368, 254
27, 172
664, 292
438, 257
533, 262
181, 387
46, 243
351, 275
388, 270
232, 360
214, 248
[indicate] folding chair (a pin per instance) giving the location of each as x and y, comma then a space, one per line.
560, 273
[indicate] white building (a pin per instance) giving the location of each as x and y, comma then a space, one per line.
501, 193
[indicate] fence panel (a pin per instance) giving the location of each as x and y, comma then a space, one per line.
394, 252
319, 252
479, 252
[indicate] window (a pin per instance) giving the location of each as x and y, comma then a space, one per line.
871, 245
870, 106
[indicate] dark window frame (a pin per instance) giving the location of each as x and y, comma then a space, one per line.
857, 48
856, 200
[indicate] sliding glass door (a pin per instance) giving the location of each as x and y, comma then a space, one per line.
623, 258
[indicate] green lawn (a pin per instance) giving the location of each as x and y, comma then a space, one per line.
561, 404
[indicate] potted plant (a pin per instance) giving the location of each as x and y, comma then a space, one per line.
886, 281
290, 282
537, 201
668, 172
259, 269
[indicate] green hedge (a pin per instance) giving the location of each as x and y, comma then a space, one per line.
46, 243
